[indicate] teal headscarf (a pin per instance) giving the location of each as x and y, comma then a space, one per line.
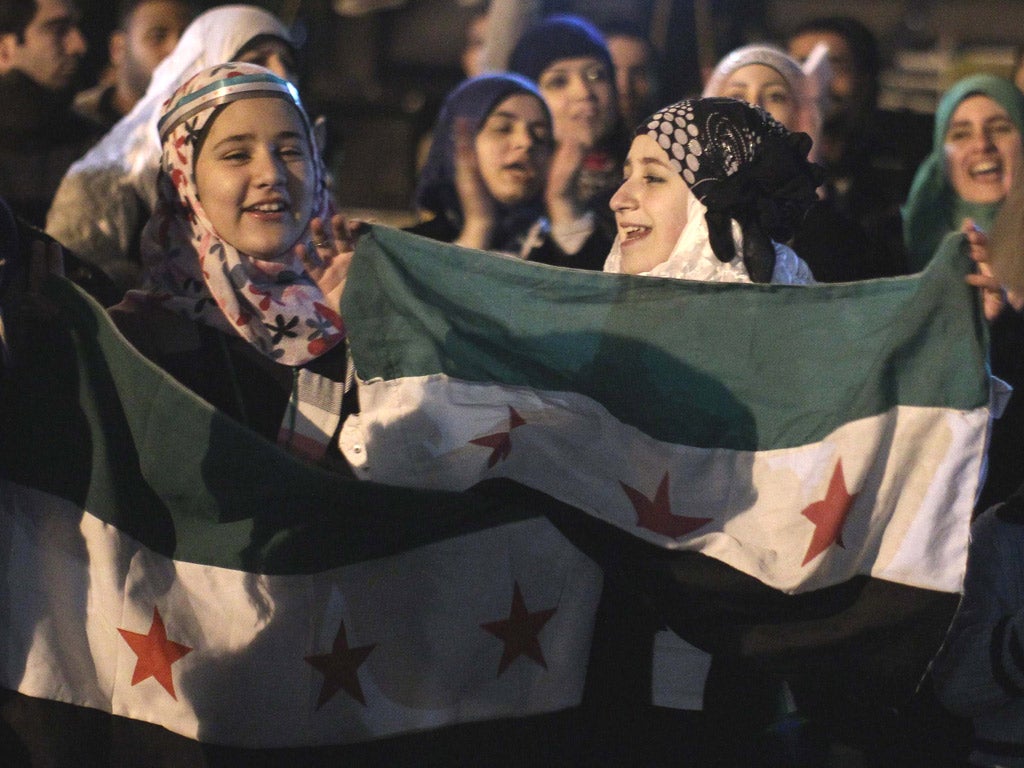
933, 209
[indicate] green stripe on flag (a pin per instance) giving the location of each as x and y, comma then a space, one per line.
799, 361
90, 420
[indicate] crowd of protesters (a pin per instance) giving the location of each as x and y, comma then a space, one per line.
554, 157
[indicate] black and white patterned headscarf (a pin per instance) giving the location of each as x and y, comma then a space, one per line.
741, 165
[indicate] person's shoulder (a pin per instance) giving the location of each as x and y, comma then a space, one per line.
96, 105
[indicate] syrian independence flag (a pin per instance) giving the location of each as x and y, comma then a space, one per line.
162, 564
784, 469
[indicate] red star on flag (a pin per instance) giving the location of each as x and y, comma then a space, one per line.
155, 653
519, 632
829, 515
656, 514
339, 668
500, 443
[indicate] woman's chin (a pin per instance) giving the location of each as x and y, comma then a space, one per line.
638, 261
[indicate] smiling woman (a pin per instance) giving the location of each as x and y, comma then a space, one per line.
483, 184
977, 139
982, 145
244, 263
712, 188
106, 196
255, 177
967, 176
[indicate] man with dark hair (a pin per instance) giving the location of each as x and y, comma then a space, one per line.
854, 67
869, 154
147, 31
637, 69
41, 48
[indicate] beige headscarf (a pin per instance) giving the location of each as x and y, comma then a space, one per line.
805, 90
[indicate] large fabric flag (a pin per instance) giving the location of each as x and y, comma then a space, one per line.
747, 454
163, 564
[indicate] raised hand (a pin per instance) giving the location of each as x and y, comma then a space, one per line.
479, 211
329, 261
994, 296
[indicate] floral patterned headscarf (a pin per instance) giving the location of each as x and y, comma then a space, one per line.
274, 305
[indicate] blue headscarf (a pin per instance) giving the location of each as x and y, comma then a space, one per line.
933, 209
473, 100
557, 37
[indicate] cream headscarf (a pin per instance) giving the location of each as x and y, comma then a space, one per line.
806, 113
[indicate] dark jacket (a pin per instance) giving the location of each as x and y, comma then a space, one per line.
42, 136
225, 370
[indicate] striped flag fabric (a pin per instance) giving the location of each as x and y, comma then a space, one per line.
803, 435
784, 473
787, 473
163, 565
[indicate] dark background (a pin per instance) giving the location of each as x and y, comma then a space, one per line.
379, 77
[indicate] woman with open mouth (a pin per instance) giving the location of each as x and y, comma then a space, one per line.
483, 184
961, 186
244, 261
977, 141
712, 188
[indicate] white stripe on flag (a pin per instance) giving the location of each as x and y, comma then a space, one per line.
77, 586
913, 472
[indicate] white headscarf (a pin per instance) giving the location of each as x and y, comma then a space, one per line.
214, 37
692, 258
807, 110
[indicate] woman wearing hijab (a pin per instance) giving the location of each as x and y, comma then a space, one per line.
713, 188
960, 187
483, 185
106, 196
771, 79
569, 60
977, 140
243, 281
833, 245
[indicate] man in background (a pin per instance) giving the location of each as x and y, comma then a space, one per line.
637, 75
869, 155
147, 31
41, 48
